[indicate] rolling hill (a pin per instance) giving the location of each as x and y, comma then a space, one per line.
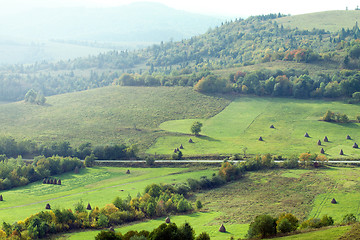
332, 21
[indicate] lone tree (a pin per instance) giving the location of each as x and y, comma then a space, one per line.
196, 128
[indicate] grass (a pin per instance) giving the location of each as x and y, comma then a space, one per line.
266, 192
329, 20
109, 115
199, 226
247, 118
326, 234
97, 186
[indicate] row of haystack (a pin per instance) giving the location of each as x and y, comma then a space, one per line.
178, 149
49, 207
51, 181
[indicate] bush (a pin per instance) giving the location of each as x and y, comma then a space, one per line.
198, 204
262, 226
349, 219
89, 160
287, 223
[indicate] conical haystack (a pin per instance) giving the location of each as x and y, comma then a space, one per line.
322, 151
47, 206
341, 152
355, 145
306, 135
1, 198
333, 201
348, 137
181, 146
319, 143
59, 182
222, 228
128, 171
326, 139
272, 126
260, 139
190, 140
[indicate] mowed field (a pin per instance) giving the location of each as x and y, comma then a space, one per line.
241, 124
329, 20
304, 193
109, 115
97, 186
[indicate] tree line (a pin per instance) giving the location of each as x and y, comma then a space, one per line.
240, 42
16, 172
28, 148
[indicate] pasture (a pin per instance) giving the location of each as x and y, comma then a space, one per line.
266, 192
97, 186
328, 20
109, 115
241, 124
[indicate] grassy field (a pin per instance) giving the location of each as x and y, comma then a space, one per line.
107, 115
97, 186
328, 20
247, 118
326, 234
266, 192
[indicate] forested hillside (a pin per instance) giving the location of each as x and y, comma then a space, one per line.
232, 45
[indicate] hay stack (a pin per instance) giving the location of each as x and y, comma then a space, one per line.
44, 181
319, 143
59, 182
1, 198
341, 152
167, 220
88, 206
190, 140
47, 206
333, 201
47, 181
260, 139
348, 137
51, 181
181, 146
326, 139
128, 171
272, 126
322, 151
55, 181
222, 228
306, 135
355, 145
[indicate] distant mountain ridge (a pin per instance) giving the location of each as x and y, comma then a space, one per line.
142, 21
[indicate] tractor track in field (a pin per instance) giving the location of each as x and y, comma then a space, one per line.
324, 200
74, 194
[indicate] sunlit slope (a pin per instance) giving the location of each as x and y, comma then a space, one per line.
241, 124
329, 20
106, 115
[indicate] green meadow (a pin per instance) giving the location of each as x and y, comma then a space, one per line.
329, 20
109, 115
241, 124
304, 193
97, 186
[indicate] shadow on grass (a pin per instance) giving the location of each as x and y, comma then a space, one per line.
207, 138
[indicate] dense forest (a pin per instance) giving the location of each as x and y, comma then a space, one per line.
235, 43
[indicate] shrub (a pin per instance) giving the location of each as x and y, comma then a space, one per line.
349, 219
262, 226
198, 204
287, 223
